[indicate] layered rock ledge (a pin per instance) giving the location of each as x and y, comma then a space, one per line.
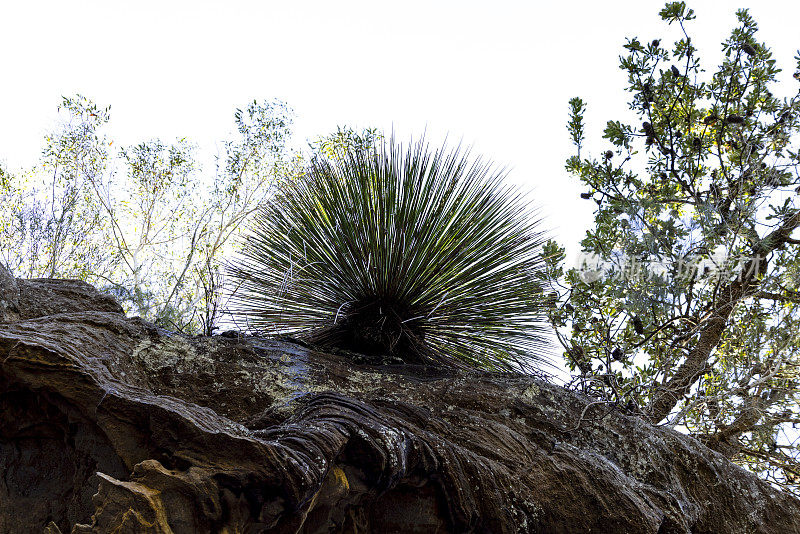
109, 424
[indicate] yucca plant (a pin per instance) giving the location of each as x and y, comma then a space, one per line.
416, 253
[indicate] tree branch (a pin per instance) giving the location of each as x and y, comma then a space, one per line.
666, 396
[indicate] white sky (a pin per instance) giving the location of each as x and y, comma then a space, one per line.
496, 75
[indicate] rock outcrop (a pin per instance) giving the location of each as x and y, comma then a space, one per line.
109, 424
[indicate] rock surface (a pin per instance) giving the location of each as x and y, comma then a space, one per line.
109, 424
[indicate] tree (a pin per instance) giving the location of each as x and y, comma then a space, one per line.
344, 140
143, 222
406, 252
687, 306
252, 164
51, 220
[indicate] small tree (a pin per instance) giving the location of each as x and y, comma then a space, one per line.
688, 305
251, 165
52, 222
345, 139
143, 222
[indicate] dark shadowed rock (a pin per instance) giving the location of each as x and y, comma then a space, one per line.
9, 297
42, 297
108, 424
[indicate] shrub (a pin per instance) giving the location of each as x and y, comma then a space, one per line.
405, 251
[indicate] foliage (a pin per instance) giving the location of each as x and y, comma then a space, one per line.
52, 228
687, 308
344, 140
143, 222
394, 250
575, 126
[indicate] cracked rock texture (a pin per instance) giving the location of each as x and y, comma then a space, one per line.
109, 424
